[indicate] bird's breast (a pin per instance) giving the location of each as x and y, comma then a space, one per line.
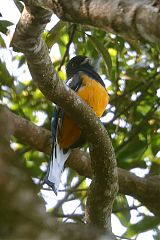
94, 94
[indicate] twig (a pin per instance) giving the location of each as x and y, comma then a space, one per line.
140, 126
74, 26
123, 238
60, 202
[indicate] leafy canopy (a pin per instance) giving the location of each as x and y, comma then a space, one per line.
131, 72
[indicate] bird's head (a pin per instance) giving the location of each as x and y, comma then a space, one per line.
77, 63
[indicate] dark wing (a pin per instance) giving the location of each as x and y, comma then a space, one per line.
57, 120
55, 167
75, 82
54, 126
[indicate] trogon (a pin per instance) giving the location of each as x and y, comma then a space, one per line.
66, 134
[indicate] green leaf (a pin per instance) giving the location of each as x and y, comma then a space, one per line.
19, 5
104, 52
155, 143
22, 61
145, 224
121, 209
155, 167
131, 150
2, 42
4, 25
5, 76
54, 34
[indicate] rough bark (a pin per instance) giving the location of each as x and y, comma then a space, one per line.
27, 39
132, 19
22, 212
146, 190
19, 203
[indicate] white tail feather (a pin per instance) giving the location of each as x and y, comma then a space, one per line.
56, 167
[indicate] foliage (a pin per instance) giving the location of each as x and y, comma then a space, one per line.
132, 117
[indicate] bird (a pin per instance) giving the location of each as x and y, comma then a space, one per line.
66, 134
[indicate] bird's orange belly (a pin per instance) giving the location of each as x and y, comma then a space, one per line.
95, 95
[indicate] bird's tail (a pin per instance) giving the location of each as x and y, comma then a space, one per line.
55, 167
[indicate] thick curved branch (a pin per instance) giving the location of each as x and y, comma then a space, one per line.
132, 19
27, 39
22, 211
146, 190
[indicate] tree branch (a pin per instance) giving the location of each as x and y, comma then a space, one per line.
22, 212
17, 216
146, 190
27, 39
133, 19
